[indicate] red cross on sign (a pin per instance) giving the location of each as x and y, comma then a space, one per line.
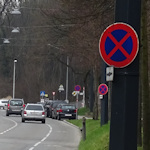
103, 89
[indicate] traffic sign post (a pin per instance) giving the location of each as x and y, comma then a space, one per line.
53, 93
77, 99
125, 86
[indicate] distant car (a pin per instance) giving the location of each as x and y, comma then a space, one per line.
54, 105
34, 112
67, 111
15, 106
3, 103
50, 106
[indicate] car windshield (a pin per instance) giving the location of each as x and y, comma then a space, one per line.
16, 103
68, 107
34, 107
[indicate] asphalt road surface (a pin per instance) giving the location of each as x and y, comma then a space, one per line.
33, 135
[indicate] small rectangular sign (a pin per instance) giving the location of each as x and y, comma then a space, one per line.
109, 73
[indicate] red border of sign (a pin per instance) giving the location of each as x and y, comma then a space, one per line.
100, 87
77, 86
135, 40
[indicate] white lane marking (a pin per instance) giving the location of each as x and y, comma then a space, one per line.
36, 144
11, 127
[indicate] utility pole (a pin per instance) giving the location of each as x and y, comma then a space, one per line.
67, 78
14, 76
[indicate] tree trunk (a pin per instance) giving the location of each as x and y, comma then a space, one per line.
139, 133
145, 83
95, 109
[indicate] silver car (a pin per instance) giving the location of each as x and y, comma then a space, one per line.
34, 112
3, 103
15, 106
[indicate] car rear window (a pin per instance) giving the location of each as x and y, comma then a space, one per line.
16, 103
56, 103
34, 107
4, 101
68, 107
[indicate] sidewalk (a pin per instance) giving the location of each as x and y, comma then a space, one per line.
80, 117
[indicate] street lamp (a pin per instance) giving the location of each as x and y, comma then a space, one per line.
15, 11
6, 41
15, 30
15, 61
61, 89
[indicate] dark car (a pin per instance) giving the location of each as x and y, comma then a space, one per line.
54, 105
50, 108
51, 105
67, 111
15, 106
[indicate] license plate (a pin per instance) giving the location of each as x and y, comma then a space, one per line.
15, 110
34, 113
68, 114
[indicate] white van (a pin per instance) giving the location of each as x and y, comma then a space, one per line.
3, 103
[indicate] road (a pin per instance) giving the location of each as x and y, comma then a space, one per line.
53, 135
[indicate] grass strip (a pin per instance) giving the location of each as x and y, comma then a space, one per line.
97, 137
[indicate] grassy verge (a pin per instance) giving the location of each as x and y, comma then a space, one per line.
84, 111
97, 137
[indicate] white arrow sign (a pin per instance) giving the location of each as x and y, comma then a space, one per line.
109, 73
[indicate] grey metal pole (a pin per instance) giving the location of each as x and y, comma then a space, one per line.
14, 78
67, 78
77, 97
83, 96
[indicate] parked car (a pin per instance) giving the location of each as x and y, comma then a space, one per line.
34, 112
54, 105
15, 106
50, 107
65, 111
3, 103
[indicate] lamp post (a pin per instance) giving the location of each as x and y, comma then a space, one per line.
15, 61
60, 89
67, 79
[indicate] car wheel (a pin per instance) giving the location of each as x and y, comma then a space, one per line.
7, 114
52, 116
23, 120
43, 121
58, 117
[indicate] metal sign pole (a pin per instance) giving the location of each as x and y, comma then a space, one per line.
125, 87
83, 96
77, 97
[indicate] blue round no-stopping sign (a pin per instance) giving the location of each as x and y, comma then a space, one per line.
77, 88
119, 45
